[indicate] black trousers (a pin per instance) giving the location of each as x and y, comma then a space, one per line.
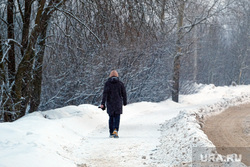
114, 122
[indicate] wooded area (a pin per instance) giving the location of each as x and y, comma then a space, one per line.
57, 52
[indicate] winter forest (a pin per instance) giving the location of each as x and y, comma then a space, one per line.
55, 53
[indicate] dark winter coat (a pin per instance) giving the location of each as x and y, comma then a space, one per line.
114, 95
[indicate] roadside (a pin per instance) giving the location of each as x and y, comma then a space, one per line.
230, 131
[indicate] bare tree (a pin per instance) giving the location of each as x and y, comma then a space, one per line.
63, 53
11, 52
177, 62
185, 22
25, 77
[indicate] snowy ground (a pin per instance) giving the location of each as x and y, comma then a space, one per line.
151, 134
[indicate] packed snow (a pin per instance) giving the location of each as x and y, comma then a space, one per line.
151, 134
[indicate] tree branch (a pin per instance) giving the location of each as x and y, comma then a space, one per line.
81, 22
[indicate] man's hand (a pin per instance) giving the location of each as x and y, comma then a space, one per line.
102, 107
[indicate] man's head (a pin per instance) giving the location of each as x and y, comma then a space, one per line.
113, 73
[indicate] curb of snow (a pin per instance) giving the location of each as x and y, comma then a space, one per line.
180, 135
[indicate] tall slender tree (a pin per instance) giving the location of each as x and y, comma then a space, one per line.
25, 75
177, 61
11, 53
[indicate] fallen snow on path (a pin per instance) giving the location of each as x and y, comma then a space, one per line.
151, 134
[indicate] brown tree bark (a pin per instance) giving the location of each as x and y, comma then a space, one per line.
26, 87
26, 25
11, 53
37, 75
2, 75
177, 62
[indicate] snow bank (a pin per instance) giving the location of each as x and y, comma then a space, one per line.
77, 136
46, 139
182, 135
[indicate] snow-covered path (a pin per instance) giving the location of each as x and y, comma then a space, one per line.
139, 137
78, 136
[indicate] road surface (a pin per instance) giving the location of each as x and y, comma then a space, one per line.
230, 131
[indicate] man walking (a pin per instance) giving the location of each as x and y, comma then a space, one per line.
114, 96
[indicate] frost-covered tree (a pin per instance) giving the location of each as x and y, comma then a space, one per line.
22, 50
187, 15
158, 47
224, 48
127, 36
140, 39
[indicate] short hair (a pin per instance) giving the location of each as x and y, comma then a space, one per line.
113, 73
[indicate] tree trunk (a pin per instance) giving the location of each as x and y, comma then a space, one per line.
195, 55
22, 79
26, 77
163, 9
11, 54
177, 64
176, 76
26, 25
2, 73
28, 81
24, 71
37, 81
